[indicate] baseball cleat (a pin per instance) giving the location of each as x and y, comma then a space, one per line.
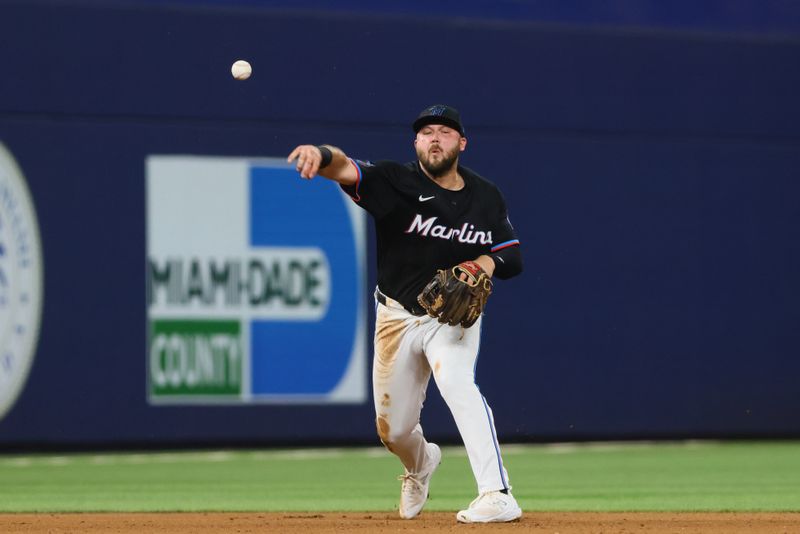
491, 507
414, 491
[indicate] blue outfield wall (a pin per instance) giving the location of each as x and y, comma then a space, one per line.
652, 177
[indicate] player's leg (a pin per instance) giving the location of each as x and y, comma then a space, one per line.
400, 379
452, 353
400, 376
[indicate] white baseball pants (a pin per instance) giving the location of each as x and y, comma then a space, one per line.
407, 349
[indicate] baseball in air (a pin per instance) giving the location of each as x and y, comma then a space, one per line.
241, 69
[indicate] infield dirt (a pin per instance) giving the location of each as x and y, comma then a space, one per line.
431, 523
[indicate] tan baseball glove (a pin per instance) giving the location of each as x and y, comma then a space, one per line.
457, 295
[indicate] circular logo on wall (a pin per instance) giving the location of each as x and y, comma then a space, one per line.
20, 281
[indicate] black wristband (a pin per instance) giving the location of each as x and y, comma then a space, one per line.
327, 156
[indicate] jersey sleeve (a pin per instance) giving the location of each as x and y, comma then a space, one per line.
374, 189
505, 244
503, 234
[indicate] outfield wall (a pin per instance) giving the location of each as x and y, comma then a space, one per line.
652, 177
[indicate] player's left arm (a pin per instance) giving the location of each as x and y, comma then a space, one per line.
503, 264
504, 259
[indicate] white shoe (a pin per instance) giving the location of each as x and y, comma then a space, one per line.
414, 492
491, 507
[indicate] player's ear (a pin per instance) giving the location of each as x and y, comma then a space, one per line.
462, 143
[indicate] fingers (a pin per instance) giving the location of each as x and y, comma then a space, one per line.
308, 159
294, 154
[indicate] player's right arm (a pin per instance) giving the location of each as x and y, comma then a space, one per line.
309, 157
369, 185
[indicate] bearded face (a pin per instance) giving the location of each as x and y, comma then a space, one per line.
437, 149
436, 159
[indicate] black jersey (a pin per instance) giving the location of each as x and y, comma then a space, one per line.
422, 227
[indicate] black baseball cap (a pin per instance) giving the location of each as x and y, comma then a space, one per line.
439, 114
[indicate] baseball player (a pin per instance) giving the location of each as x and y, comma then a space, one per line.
430, 214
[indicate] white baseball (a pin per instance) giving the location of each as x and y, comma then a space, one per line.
241, 69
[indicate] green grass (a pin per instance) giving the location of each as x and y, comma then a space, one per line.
704, 476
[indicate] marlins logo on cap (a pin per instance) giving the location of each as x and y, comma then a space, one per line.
439, 114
